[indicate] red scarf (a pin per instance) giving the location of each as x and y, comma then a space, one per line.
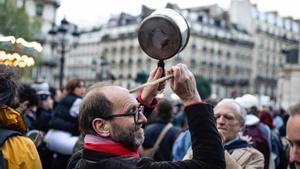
107, 146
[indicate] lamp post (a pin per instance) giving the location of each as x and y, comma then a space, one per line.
61, 38
103, 74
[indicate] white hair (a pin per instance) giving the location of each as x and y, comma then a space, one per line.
240, 109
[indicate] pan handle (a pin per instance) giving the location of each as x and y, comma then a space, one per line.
161, 64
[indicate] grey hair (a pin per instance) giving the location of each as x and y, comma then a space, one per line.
240, 109
294, 109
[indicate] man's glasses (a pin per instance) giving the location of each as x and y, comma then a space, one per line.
134, 111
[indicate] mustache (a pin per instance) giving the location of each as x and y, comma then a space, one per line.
138, 126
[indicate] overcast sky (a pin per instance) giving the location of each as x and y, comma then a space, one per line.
89, 13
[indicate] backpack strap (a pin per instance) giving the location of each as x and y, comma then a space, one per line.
161, 136
4, 135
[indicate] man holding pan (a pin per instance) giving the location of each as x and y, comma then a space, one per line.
111, 121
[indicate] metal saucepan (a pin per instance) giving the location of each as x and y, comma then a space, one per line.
163, 34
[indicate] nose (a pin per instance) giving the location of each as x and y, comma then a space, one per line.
295, 154
220, 120
142, 118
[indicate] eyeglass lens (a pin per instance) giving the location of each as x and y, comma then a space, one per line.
139, 110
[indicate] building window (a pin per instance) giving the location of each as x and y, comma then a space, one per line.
219, 52
194, 46
39, 9
193, 51
113, 53
200, 18
122, 51
287, 24
130, 50
295, 27
105, 52
262, 16
279, 22
204, 49
271, 18
178, 57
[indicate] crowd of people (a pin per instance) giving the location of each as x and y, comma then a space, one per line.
105, 126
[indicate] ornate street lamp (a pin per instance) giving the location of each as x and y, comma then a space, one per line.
104, 73
64, 37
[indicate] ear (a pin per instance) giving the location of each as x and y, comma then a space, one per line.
243, 126
101, 127
23, 106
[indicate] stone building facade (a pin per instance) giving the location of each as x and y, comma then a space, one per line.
235, 54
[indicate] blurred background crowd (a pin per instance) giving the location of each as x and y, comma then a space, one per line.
51, 117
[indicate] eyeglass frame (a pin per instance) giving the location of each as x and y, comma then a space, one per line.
136, 114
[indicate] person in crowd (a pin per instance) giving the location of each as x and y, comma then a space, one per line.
179, 116
259, 132
181, 145
230, 118
17, 150
183, 141
28, 102
111, 121
153, 131
259, 139
285, 116
56, 95
277, 148
44, 107
64, 131
293, 135
277, 119
44, 111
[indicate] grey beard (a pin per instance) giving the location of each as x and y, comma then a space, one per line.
129, 139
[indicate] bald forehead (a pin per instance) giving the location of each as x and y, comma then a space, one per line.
293, 128
113, 91
294, 121
108, 89
228, 104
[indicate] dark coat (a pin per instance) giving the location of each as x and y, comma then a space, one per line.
207, 148
260, 141
61, 119
42, 120
152, 132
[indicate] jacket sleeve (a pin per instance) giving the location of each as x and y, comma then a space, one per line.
231, 163
248, 158
147, 109
61, 124
208, 152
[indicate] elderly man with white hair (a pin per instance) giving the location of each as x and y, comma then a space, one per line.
230, 119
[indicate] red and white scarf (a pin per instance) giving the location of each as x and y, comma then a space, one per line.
104, 145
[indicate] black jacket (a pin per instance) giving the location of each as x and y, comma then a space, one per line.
208, 151
42, 120
61, 118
